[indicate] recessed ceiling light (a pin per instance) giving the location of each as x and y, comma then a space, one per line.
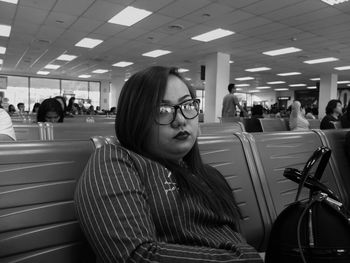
231, 61
257, 69
188, 79
88, 42
156, 53
52, 66
297, 85
244, 78
253, 91
122, 64
242, 85
2, 50
289, 74
212, 35
84, 76
343, 82
129, 16
263, 87
275, 82
281, 89
42, 72
10, 1
100, 71
5, 30
321, 60
1, 61
311, 87
182, 70
315, 79
334, 2
343, 68
282, 51
66, 57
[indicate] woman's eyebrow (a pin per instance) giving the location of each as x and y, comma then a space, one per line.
180, 99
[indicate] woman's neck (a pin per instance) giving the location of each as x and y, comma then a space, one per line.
335, 115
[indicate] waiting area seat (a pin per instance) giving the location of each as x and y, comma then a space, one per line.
34, 131
221, 128
273, 124
314, 123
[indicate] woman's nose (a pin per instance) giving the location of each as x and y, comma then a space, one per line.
179, 119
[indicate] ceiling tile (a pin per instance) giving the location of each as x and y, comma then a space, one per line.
30, 15
74, 8
86, 25
57, 19
266, 6
151, 5
7, 13
102, 10
154, 21
181, 8
38, 4
109, 29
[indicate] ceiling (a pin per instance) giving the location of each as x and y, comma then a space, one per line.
44, 29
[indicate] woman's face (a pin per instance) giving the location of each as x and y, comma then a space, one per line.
52, 116
338, 109
173, 141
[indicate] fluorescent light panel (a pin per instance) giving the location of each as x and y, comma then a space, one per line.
156, 53
343, 68
275, 82
88, 42
315, 79
321, 60
5, 30
52, 66
212, 35
263, 87
282, 51
238, 89
100, 71
343, 82
281, 89
2, 50
297, 85
334, 2
10, 1
231, 61
254, 91
311, 87
66, 57
289, 74
1, 61
42, 72
242, 85
122, 64
244, 78
84, 76
188, 79
129, 16
257, 69
182, 70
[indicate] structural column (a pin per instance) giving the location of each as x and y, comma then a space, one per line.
116, 87
217, 77
328, 91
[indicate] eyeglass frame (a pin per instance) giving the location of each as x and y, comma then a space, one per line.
178, 106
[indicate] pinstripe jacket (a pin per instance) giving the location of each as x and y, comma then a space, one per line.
130, 211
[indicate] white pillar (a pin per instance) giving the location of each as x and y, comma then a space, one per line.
217, 77
116, 87
328, 91
104, 99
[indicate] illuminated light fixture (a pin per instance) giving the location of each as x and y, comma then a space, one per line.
244, 78
343, 82
281, 89
320, 60
2, 50
10, 1
122, 64
242, 85
297, 85
257, 69
282, 51
5, 30
1, 61
231, 61
343, 68
100, 71
84, 76
52, 66
212, 35
239, 89
182, 70
289, 74
275, 82
129, 16
334, 2
41, 72
263, 87
315, 79
88, 42
346, 85
188, 79
66, 57
156, 53
253, 91
311, 87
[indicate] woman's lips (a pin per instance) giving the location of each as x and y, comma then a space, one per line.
182, 135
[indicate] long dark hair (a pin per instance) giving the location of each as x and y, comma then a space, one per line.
331, 105
50, 105
136, 112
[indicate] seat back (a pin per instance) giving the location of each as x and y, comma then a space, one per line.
272, 125
34, 131
221, 128
84, 118
252, 125
37, 218
231, 157
314, 123
275, 151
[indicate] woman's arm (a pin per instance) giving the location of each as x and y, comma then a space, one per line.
113, 210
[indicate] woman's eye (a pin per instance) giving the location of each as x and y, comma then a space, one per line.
164, 110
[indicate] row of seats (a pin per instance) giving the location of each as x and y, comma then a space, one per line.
37, 181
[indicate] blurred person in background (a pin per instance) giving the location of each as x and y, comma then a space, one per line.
50, 110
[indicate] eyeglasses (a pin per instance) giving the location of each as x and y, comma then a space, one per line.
167, 113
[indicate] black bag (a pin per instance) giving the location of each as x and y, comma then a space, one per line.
313, 230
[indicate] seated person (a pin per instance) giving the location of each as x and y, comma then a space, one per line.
345, 118
11, 110
151, 199
333, 111
7, 132
309, 114
50, 110
20, 107
113, 111
36, 108
297, 121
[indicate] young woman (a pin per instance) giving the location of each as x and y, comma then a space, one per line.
50, 110
333, 112
297, 120
151, 199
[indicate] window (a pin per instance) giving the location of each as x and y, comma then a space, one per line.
17, 91
94, 93
41, 89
